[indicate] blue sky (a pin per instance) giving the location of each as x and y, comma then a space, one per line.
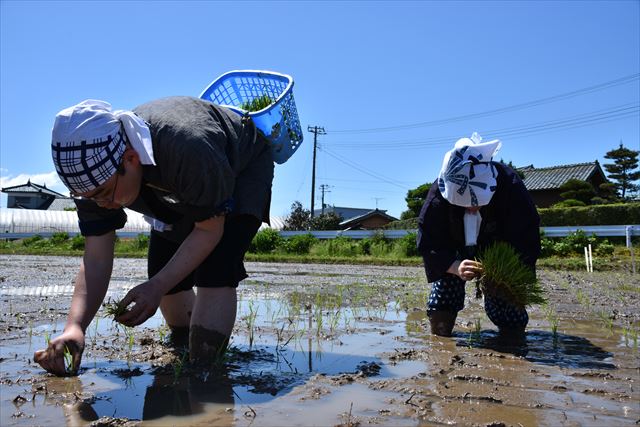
394, 84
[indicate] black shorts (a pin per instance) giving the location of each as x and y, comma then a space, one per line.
224, 267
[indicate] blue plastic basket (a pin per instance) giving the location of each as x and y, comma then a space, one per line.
279, 121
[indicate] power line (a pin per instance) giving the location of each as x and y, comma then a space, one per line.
567, 95
571, 122
362, 169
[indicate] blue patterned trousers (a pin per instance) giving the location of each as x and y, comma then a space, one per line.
447, 294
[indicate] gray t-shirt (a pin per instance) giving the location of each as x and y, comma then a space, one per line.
208, 162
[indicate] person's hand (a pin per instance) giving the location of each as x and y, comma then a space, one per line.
468, 270
64, 353
146, 297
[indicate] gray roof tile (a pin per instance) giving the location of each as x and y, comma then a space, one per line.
555, 176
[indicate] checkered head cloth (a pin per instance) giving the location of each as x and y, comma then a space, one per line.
87, 144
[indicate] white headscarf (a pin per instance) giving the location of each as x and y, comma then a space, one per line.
87, 143
467, 177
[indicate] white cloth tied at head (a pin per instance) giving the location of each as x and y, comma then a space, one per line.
89, 139
467, 177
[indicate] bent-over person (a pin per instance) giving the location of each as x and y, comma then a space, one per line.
201, 174
474, 202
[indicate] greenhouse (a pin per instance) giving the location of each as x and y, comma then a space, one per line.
17, 223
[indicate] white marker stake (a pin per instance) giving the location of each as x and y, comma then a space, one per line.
586, 258
628, 229
590, 259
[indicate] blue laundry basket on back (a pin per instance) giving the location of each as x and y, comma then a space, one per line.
278, 121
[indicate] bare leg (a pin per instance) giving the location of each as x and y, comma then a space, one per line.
214, 315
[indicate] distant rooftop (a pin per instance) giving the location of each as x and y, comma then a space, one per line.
555, 176
345, 213
30, 187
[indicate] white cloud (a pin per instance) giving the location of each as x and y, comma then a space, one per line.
50, 179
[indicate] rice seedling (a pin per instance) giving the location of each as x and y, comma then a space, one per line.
162, 333
475, 334
251, 322
318, 314
606, 320
114, 308
47, 338
178, 366
130, 338
582, 298
95, 331
334, 320
68, 360
505, 275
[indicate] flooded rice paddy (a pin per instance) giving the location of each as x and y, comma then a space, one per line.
328, 345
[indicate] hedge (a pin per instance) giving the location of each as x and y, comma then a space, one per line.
613, 214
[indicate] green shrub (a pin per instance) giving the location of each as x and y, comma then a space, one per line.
32, 241
141, 241
59, 238
407, 224
77, 242
381, 249
574, 244
604, 249
340, 246
265, 241
406, 246
376, 245
569, 203
299, 244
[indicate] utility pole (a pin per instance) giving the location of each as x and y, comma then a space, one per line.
316, 131
325, 189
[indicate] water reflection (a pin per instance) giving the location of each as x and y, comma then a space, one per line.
544, 347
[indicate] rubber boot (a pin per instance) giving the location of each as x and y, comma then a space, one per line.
442, 322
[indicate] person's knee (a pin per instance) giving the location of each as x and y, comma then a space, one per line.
442, 322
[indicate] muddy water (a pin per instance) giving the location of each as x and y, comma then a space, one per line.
328, 345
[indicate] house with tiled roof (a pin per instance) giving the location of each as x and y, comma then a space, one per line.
35, 196
358, 218
544, 183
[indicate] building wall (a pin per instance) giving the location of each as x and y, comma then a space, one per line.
374, 222
545, 198
27, 201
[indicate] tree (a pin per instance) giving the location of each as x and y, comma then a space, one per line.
415, 199
606, 194
623, 169
298, 219
327, 221
575, 189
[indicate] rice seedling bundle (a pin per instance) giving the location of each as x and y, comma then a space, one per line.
257, 104
505, 275
113, 308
